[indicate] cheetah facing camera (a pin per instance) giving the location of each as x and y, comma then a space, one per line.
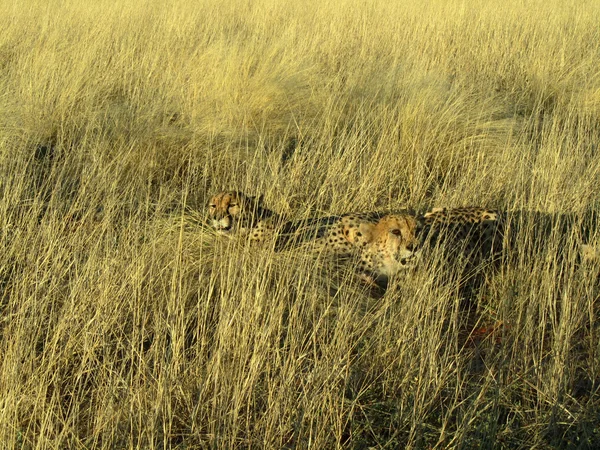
472, 239
397, 241
393, 247
233, 213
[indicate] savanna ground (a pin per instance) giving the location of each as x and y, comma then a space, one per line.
126, 324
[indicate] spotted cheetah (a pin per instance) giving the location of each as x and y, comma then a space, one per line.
478, 237
397, 241
234, 213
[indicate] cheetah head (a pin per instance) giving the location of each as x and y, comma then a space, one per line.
229, 212
396, 244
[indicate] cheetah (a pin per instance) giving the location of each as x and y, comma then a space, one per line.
397, 241
234, 213
479, 237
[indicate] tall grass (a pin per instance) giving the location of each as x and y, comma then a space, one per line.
126, 324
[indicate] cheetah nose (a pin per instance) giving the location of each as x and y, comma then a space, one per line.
222, 225
403, 261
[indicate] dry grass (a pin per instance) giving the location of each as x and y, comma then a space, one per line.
140, 330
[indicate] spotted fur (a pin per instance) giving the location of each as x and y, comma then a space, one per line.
350, 233
471, 231
234, 213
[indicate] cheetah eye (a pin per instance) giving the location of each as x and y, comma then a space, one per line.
396, 232
212, 206
232, 205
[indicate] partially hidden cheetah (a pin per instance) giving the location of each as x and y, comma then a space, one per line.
398, 240
478, 237
234, 213
471, 231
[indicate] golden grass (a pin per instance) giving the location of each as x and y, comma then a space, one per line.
141, 330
